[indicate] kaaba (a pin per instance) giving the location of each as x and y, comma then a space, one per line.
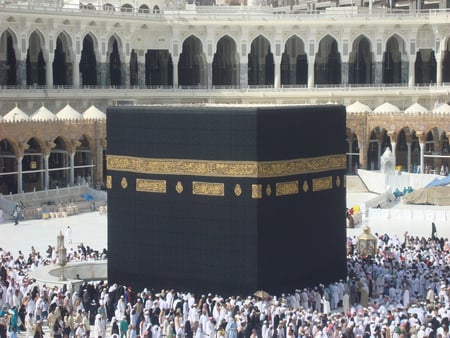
226, 199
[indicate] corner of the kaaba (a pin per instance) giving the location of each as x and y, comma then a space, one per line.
226, 200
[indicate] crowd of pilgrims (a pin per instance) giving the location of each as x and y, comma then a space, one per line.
402, 291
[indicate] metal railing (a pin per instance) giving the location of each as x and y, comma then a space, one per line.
237, 87
300, 10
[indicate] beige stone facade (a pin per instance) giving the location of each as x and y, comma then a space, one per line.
158, 52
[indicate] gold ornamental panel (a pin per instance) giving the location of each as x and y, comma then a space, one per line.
145, 185
124, 183
268, 190
251, 169
237, 190
108, 182
179, 187
305, 186
256, 191
322, 183
286, 188
207, 188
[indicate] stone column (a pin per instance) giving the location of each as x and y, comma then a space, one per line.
378, 76
49, 70
46, 173
19, 175
379, 152
412, 75
344, 73
350, 157
102, 73
393, 137
175, 71
277, 79
438, 70
21, 73
125, 73
363, 144
310, 71
76, 72
422, 158
408, 161
72, 169
243, 72
22, 146
141, 67
209, 71
99, 161
421, 136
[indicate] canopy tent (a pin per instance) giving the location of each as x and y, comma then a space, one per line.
438, 195
439, 182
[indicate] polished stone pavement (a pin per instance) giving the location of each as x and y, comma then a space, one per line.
91, 228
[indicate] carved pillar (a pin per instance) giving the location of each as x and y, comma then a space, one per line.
393, 136
421, 136
310, 71
19, 175
49, 145
72, 169
412, 75
76, 72
363, 144
72, 150
277, 80
46, 175
22, 146
438, 70
350, 157
99, 161
379, 153
141, 67
175, 72
49, 70
408, 162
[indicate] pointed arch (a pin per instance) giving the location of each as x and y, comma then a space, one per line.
158, 68
352, 151
8, 166
36, 64
225, 67
62, 62
327, 64
59, 163
83, 170
261, 69
294, 62
88, 61
360, 61
33, 166
392, 60
134, 71
8, 61
425, 67
192, 64
108, 7
407, 152
114, 58
127, 8
144, 9
378, 142
446, 60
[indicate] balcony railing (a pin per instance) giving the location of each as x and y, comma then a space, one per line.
298, 87
303, 9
